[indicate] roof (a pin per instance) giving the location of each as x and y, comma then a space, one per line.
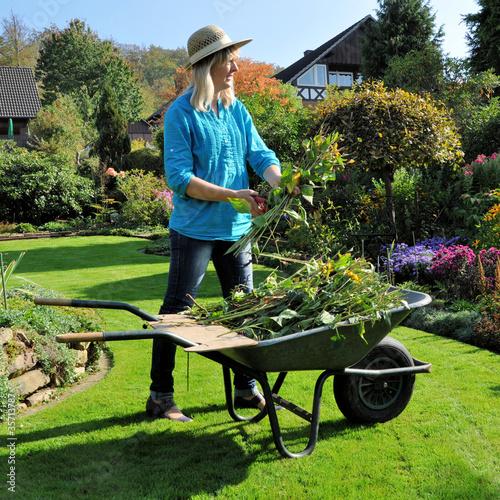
18, 93
157, 116
311, 57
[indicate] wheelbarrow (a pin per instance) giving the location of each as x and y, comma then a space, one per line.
374, 374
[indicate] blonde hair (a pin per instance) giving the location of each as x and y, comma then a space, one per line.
201, 81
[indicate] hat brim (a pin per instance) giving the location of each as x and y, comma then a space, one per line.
199, 56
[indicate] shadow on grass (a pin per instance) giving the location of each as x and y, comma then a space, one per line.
166, 464
166, 460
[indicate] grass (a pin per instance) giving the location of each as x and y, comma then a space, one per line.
99, 444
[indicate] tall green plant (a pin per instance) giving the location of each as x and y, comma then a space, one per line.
6, 273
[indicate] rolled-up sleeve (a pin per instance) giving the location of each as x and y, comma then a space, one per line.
178, 156
259, 156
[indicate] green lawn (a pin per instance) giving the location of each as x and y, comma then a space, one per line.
99, 444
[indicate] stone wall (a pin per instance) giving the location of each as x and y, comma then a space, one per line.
26, 377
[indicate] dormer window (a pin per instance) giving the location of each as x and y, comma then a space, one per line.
315, 76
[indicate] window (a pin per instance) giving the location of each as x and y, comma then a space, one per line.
316, 76
340, 79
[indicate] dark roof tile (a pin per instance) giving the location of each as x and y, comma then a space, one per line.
18, 93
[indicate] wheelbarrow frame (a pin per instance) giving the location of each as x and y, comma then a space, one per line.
229, 363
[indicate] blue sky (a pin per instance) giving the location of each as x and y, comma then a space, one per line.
281, 29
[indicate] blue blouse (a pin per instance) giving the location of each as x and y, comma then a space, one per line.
215, 150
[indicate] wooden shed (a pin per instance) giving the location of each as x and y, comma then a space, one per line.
140, 129
19, 103
336, 62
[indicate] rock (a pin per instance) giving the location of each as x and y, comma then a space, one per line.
22, 337
39, 397
22, 363
29, 382
81, 358
80, 346
6, 335
80, 370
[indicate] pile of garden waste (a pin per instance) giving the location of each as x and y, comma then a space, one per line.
320, 293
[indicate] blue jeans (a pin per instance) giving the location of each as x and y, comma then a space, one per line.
189, 260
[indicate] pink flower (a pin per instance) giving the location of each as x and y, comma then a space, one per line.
493, 156
122, 174
111, 171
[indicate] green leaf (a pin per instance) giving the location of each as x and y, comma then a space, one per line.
307, 192
260, 221
240, 205
326, 318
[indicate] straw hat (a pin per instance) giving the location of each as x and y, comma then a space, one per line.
208, 40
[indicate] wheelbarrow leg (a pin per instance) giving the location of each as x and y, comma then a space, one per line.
228, 387
313, 434
270, 410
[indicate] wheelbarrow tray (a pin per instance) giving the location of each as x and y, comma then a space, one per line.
317, 349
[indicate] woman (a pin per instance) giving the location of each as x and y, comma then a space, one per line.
209, 138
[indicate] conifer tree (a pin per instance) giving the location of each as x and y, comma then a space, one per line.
483, 37
113, 141
401, 26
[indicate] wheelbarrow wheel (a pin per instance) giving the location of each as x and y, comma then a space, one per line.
365, 399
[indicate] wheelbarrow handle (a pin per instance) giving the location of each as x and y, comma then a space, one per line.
65, 338
96, 304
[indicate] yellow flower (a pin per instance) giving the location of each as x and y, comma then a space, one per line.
353, 276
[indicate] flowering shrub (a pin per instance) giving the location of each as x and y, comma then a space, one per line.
406, 262
452, 260
455, 268
460, 271
478, 197
148, 202
485, 171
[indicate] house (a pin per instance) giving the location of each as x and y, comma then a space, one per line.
19, 103
336, 62
140, 129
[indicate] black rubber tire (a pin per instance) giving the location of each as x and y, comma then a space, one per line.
367, 400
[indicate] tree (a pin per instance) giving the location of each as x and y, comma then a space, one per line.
483, 37
18, 44
384, 130
418, 71
59, 128
402, 26
113, 141
74, 61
